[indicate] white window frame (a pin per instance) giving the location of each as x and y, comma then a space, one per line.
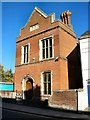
40, 48
22, 53
34, 27
42, 85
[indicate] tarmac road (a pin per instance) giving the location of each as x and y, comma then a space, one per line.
10, 114
10, 110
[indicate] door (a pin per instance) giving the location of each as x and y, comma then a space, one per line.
29, 89
88, 95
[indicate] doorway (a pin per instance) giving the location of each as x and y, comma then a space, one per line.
27, 88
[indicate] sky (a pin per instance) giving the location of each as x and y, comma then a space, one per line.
16, 14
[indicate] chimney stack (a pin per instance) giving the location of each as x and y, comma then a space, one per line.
65, 17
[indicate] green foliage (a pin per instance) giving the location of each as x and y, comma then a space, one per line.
1, 72
5, 76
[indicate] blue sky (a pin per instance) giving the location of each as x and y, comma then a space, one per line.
16, 14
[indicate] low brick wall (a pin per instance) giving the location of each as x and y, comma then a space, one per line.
64, 99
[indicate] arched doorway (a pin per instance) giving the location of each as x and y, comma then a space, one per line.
28, 87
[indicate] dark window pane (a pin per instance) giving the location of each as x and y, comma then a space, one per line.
27, 48
25, 53
45, 88
43, 44
44, 77
46, 52
49, 77
50, 41
46, 43
47, 82
49, 88
43, 53
24, 57
24, 49
27, 57
50, 51
47, 48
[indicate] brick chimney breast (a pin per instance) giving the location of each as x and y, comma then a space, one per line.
65, 17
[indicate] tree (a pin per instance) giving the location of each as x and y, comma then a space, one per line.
1, 72
5, 76
8, 75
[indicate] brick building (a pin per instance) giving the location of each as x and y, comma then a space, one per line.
47, 57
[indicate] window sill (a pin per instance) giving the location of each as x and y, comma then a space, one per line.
46, 59
21, 64
46, 95
25, 63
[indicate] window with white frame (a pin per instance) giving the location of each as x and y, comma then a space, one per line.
34, 27
46, 48
46, 83
25, 53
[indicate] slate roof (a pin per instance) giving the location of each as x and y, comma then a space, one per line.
85, 35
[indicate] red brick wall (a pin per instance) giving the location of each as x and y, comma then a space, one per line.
34, 46
67, 43
64, 43
34, 70
64, 99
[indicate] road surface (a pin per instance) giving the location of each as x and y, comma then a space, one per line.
9, 114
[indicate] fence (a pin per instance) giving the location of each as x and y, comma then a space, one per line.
7, 94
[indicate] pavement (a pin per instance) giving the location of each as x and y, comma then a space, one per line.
45, 112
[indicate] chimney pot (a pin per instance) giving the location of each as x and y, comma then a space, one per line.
65, 16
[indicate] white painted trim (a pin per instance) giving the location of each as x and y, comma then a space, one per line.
42, 87
51, 82
6, 83
29, 77
23, 88
22, 53
41, 12
40, 47
53, 46
24, 84
40, 50
41, 83
29, 52
52, 17
34, 27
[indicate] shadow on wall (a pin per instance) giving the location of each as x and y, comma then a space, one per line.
74, 69
28, 94
37, 93
33, 93
33, 98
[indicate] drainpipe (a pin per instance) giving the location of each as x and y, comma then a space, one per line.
77, 99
